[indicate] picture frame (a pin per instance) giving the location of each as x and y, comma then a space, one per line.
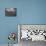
10, 12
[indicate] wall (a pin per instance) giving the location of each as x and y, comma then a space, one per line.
28, 12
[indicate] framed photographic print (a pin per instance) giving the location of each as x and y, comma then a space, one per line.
10, 11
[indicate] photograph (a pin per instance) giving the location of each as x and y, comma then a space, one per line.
10, 11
